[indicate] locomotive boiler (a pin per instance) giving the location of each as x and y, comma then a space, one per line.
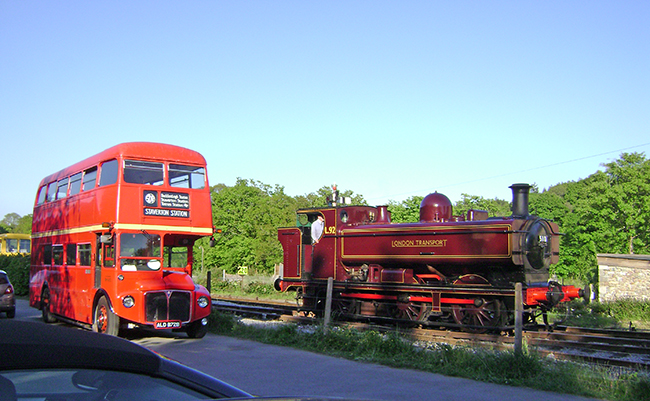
445, 269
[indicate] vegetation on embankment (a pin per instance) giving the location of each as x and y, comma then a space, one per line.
17, 268
499, 367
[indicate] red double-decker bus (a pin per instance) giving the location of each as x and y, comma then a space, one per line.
113, 238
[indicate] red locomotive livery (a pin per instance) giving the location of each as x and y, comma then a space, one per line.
455, 270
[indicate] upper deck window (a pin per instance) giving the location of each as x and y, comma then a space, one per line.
41, 195
51, 191
62, 189
90, 177
108, 174
75, 184
139, 172
181, 176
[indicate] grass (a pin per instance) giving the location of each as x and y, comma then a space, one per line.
499, 367
621, 314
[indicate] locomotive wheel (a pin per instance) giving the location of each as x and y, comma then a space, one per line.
347, 307
481, 316
413, 311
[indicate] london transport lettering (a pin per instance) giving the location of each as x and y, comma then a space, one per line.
417, 243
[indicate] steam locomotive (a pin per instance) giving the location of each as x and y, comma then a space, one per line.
443, 270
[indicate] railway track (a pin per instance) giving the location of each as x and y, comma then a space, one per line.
614, 348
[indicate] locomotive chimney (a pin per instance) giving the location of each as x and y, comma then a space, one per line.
520, 199
383, 215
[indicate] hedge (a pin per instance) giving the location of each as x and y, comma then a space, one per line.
17, 268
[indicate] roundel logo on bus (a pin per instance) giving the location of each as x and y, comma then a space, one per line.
150, 198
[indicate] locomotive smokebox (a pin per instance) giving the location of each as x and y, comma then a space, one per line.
520, 199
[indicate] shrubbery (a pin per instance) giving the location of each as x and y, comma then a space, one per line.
501, 367
17, 268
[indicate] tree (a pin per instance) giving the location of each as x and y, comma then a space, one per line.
494, 207
612, 208
548, 205
607, 212
249, 213
324, 197
11, 221
24, 225
625, 199
407, 211
14, 223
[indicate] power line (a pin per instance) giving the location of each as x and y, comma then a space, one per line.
518, 172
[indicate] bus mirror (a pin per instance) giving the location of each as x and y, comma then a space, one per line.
106, 239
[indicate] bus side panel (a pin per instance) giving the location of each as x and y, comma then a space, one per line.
36, 274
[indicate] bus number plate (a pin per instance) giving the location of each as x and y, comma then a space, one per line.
172, 324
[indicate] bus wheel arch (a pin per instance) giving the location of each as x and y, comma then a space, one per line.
105, 321
196, 329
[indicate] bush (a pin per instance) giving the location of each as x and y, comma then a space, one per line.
17, 268
615, 314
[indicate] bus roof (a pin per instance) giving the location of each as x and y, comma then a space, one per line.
136, 150
16, 235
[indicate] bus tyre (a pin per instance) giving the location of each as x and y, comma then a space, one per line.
196, 329
105, 321
48, 317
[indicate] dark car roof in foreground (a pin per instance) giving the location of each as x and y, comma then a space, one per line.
34, 345
31, 345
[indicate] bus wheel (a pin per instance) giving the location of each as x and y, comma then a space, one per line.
105, 321
48, 317
196, 329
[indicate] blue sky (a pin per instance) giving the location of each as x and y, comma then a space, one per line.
389, 99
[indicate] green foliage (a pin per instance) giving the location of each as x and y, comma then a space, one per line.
628, 310
501, 367
616, 314
249, 213
607, 212
323, 197
494, 207
407, 211
17, 268
14, 223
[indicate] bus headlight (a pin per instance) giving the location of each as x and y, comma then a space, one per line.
128, 301
203, 302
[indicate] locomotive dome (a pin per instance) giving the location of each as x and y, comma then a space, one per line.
435, 207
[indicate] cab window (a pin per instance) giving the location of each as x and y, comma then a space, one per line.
139, 172
181, 176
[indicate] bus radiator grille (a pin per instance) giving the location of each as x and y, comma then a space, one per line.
168, 305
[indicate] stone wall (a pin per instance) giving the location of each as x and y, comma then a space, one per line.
623, 277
